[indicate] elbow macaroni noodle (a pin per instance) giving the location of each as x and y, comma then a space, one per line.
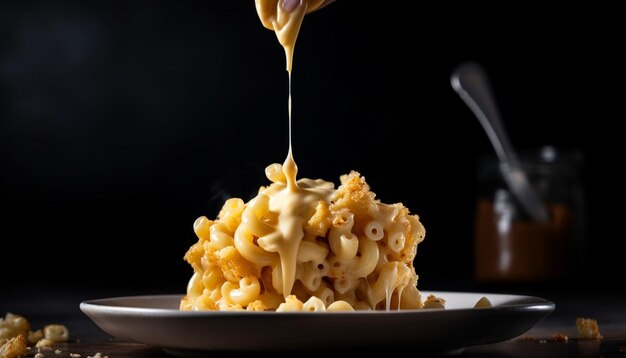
305, 247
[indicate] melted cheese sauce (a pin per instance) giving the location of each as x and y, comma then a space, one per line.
285, 24
292, 201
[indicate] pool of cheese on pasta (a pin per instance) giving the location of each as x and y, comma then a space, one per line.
305, 246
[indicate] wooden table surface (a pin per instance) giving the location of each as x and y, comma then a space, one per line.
609, 308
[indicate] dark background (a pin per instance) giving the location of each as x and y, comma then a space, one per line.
122, 122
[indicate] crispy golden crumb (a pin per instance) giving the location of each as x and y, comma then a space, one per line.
14, 347
256, 306
560, 337
588, 328
194, 254
414, 237
354, 193
339, 217
234, 266
433, 301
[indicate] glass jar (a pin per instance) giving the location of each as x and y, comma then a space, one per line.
508, 244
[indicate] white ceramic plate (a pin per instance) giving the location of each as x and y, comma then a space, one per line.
156, 321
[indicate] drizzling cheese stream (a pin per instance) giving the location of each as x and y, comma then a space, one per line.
301, 244
291, 201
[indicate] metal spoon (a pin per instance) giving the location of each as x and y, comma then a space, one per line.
470, 81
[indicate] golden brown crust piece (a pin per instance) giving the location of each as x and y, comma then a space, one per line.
588, 328
14, 347
414, 237
194, 254
354, 194
234, 266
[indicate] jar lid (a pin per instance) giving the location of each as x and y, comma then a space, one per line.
547, 161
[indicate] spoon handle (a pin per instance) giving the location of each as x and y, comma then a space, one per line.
471, 83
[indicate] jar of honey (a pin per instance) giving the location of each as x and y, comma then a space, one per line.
511, 246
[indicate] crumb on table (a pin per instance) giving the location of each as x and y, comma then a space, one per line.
588, 328
560, 337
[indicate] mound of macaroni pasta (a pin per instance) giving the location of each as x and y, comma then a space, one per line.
305, 246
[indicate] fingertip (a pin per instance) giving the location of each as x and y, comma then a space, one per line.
290, 5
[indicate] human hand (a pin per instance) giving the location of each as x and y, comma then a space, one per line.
290, 5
